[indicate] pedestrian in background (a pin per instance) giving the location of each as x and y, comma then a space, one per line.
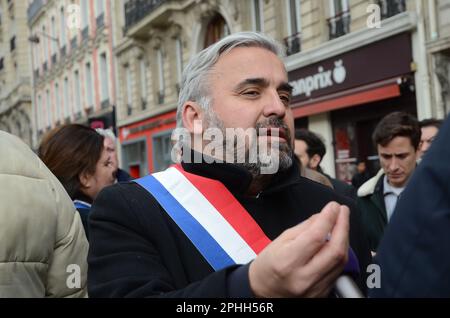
78, 158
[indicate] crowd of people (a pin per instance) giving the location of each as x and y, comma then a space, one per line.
217, 228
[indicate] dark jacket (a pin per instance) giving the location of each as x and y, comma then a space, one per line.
359, 179
136, 249
370, 203
123, 176
342, 188
413, 254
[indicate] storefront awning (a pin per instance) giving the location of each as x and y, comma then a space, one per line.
349, 98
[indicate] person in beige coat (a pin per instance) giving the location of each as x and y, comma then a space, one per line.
43, 247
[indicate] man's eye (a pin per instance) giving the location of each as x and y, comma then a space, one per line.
251, 93
286, 99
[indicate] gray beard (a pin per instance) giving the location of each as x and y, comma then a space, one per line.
285, 150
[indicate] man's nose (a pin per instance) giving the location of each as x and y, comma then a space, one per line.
393, 165
274, 106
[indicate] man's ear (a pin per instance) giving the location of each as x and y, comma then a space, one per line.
85, 179
191, 112
314, 162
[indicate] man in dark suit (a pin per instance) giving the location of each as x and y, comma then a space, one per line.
310, 149
413, 254
162, 235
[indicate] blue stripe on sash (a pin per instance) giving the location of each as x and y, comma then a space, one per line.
202, 240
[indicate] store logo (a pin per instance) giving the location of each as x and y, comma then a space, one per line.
321, 80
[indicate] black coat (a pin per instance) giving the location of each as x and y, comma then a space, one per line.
413, 254
136, 250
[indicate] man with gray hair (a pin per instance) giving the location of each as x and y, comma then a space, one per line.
215, 225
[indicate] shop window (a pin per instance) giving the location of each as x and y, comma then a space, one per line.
162, 149
134, 158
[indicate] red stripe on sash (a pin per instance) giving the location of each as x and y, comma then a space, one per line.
231, 210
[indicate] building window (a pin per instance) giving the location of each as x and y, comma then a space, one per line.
292, 42
77, 90
66, 98
162, 149
1, 63
84, 19
13, 43
179, 57
216, 29
104, 77
63, 27
143, 73
258, 15
44, 42
99, 7
339, 21
54, 41
129, 87
134, 157
89, 87
49, 110
57, 102
390, 8
39, 113
160, 60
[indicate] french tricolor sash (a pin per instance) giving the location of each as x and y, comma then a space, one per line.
209, 215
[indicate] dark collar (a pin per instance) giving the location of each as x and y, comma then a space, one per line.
237, 179
82, 197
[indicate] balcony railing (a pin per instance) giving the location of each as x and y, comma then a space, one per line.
63, 51
293, 43
33, 9
100, 21
73, 44
339, 25
161, 97
136, 10
85, 34
105, 104
390, 8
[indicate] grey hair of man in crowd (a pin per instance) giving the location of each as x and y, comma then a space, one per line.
107, 133
194, 83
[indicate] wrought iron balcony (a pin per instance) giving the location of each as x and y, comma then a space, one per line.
85, 34
339, 25
34, 9
136, 10
73, 44
293, 43
100, 21
105, 103
161, 97
63, 51
390, 8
